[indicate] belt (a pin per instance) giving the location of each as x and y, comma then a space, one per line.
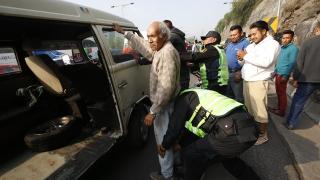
234, 70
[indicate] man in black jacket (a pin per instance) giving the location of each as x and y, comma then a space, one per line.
229, 136
177, 39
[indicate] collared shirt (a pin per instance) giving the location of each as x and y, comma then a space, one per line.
260, 60
231, 53
164, 73
286, 59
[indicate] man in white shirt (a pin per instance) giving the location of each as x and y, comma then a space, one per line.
259, 60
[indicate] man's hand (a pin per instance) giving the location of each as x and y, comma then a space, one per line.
148, 119
161, 150
241, 54
117, 28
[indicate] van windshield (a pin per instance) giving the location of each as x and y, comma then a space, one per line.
62, 53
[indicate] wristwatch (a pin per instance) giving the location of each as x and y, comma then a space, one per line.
153, 114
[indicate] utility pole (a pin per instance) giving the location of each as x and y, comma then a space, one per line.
122, 6
279, 6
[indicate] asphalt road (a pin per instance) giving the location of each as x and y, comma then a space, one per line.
270, 161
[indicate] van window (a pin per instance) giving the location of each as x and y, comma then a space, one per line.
8, 61
90, 47
120, 48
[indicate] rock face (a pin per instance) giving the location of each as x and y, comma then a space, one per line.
300, 16
297, 15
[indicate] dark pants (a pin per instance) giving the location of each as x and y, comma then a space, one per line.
281, 88
196, 157
215, 87
199, 155
235, 89
302, 94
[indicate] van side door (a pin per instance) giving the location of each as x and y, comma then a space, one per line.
131, 80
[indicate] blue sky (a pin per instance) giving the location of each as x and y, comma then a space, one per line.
194, 17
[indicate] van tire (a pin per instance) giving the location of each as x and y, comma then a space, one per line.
52, 134
138, 132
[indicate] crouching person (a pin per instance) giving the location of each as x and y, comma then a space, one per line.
208, 125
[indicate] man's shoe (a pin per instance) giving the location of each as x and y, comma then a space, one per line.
158, 176
277, 112
263, 138
288, 126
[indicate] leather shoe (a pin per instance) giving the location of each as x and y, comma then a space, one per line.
277, 112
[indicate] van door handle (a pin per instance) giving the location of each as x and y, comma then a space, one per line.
123, 84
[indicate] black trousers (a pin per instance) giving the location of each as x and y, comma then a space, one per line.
220, 89
199, 155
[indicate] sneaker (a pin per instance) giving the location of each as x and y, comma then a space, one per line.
288, 126
158, 176
263, 138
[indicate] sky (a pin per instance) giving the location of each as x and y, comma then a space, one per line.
194, 17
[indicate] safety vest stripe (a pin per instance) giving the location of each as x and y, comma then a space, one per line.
203, 76
214, 101
203, 120
219, 108
195, 130
194, 113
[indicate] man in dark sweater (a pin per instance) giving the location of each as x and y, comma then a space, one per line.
177, 39
306, 75
229, 131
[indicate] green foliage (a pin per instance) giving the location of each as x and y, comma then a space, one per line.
239, 14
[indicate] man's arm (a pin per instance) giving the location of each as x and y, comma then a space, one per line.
209, 54
264, 59
168, 72
300, 62
136, 42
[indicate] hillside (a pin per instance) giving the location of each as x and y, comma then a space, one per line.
298, 15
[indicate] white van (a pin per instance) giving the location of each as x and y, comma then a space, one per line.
70, 88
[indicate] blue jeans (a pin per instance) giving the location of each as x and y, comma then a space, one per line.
160, 126
302, 94
235, 89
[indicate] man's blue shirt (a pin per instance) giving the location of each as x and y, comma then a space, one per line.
231, 53
286, 59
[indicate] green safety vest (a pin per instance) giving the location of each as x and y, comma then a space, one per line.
223, 72
214, 103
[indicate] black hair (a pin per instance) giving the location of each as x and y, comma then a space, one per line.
237, 26
168, 22
288, 32
260, 25
218, 37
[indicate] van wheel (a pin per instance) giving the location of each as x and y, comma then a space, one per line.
138, 132
52, 134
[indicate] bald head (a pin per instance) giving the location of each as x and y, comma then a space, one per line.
157, 34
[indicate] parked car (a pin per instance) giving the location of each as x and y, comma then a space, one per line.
57, 119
